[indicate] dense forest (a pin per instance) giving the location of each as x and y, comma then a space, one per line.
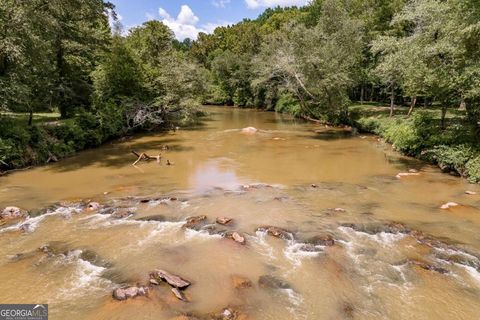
342, 62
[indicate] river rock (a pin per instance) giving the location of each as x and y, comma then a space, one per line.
322, 240
195, 222
271, 282
235, 236
175, 281
122, 213
277, 232
223, 220
179, 294
129, 292
470, 193
240, 282
449, 205
93, 206
227, 314
339, 210
12, 213
249, 130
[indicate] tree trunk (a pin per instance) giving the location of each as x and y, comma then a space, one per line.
462, 106
30, 117
412, 105
61, 101
444, 114
392, 98
372, 92
362, 92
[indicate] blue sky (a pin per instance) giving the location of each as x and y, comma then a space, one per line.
188, 17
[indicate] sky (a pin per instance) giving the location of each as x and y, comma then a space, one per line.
189, 17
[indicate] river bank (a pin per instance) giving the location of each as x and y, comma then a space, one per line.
24, 146
454, 148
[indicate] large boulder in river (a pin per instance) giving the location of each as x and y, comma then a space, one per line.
277, 232
175, 281
129, 292
12, 213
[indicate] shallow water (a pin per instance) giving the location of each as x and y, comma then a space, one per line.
289, 174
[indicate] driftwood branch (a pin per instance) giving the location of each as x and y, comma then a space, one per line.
145, 157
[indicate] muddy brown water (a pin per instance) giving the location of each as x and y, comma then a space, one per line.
262, 178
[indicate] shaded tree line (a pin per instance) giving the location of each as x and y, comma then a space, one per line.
315, 60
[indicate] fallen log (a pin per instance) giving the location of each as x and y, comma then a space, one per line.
145, 157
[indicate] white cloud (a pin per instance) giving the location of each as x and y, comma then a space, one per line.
185, 25
149, 16
253, 4
220, 3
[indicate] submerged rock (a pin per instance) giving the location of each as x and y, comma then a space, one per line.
271, 282
129, 292
158, 276
240, 282
322, 240
427, 266
374, 228
223, 220
277, 232
12, 213
195, 222
156, 217
122, 213
55, 248
94, 258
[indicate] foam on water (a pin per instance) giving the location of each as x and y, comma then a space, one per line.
203, 235
84, 280
160, 228
386, 239
261, 245
31, 224
474, 274
293, 252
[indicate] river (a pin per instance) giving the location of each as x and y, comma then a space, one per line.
306, 178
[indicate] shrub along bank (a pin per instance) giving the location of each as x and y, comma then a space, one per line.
455, 149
